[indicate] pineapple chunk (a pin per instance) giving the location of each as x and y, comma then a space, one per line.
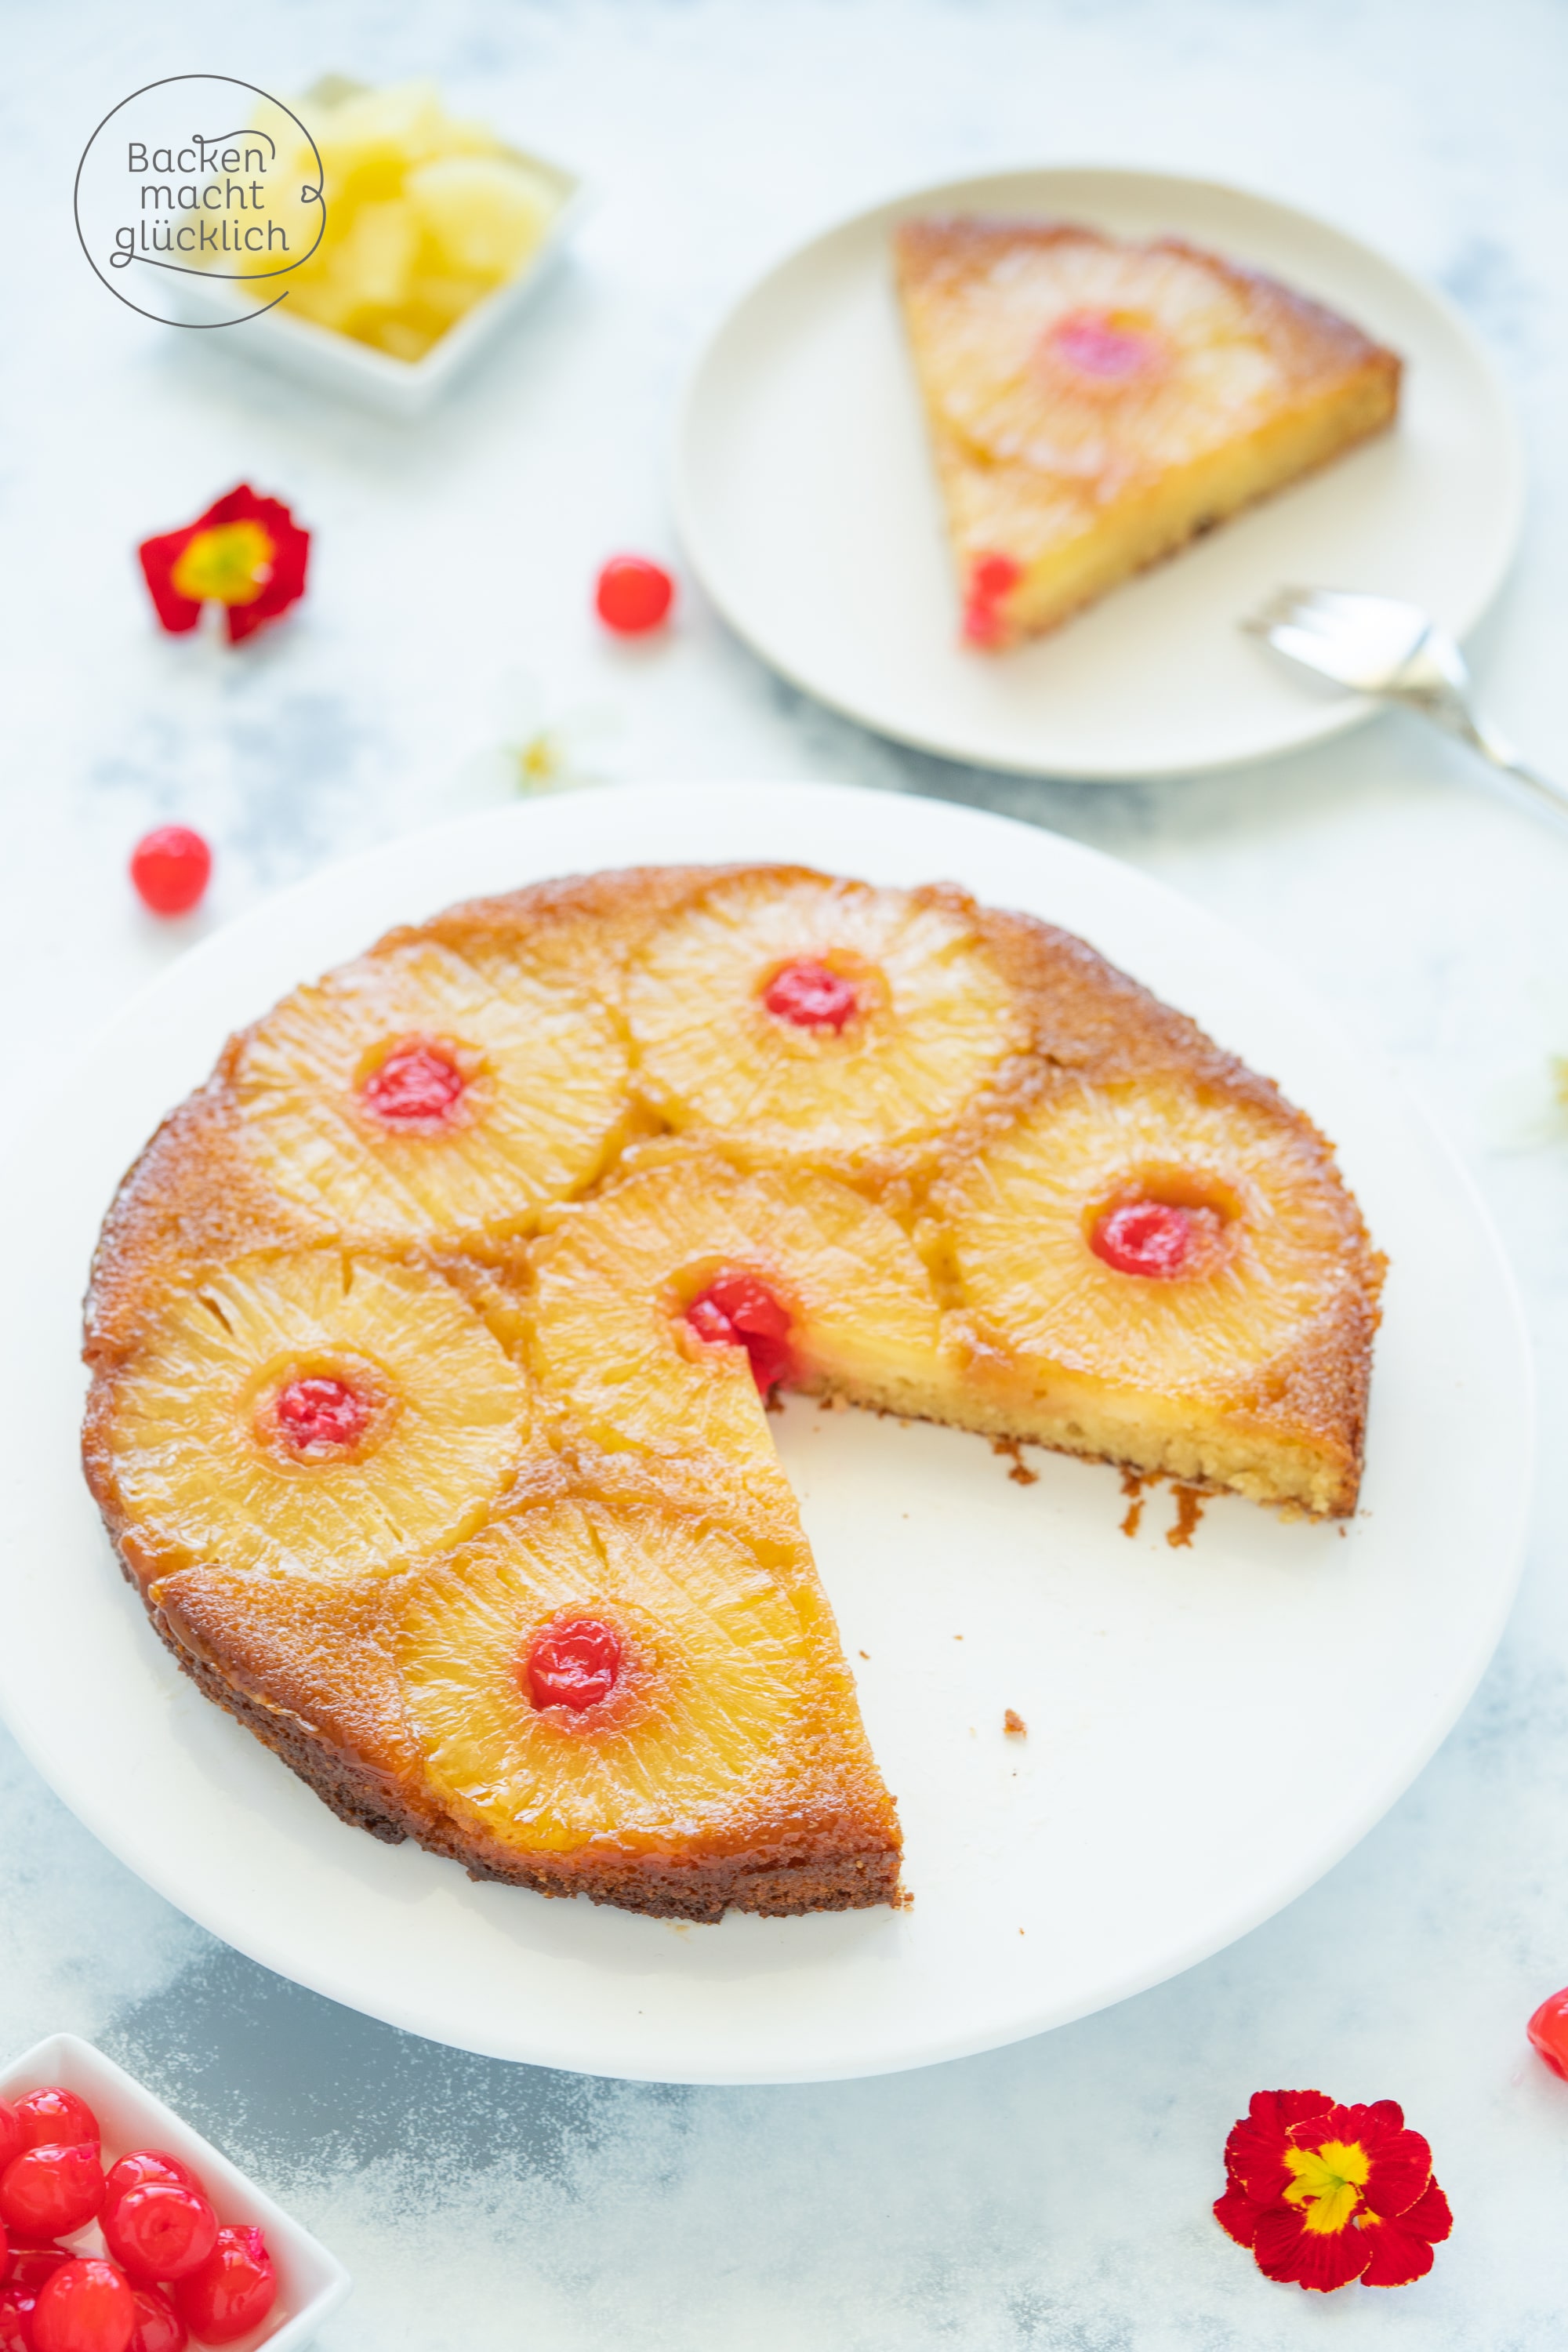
370, 265
191, 1461
935, 1018
728, 1663
542, 1108
484, 214
615, 1357
426, 215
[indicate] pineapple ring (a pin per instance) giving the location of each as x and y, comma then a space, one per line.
1220, 348
542, 1110
611, 1347
1021, 1211
721, 1661
936, 1018
198, 1476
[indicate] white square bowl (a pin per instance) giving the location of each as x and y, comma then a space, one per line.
311, 2282
319, 355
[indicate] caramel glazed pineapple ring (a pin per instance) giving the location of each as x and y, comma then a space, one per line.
431, 1337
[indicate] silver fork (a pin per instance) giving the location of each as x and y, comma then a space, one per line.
1378, 646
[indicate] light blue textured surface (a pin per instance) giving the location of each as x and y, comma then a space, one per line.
1056, 2193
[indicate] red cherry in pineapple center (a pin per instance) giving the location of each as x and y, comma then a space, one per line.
575, 1662
1147, 1237
1092, 342
416, 1085
738, 1310
317, 1411
811, 995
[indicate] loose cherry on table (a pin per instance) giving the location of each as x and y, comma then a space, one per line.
633, 595
169, 869
1548, 2032
160, 2229
739, 1310
232, 2292
575, 1662
84, 2306
48, 2193
811, 995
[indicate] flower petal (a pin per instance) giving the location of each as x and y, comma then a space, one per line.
1399, 2162
1401, 2249
1254, 2152
158, 558
1238, 2215
1285, 2250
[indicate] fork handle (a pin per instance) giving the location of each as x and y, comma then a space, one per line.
1452, 712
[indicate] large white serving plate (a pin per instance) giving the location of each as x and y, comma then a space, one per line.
1209, 1729
807, 503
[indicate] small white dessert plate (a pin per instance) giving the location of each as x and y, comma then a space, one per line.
808, 506
311, 2282
1209, 1728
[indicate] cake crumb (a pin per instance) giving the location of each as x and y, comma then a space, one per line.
1133, 1483
1013, 1724
1189, 1511
1020, 1474
867, 1656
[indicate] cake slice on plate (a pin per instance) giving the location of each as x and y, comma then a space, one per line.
1094, 404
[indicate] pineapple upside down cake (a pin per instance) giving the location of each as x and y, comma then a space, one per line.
432, 1339
1094, 404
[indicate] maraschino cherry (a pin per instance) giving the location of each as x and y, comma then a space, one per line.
84, 2306
575, 1662
417, 1084
147, 2163
232, 2292
1097, 345
633, 595
1548, 2032
54, 2117
318, 1411
811, 995
1153, 1238
48, 2193
169, 869
160, 2229
159, 2327
992, 578
738, 1310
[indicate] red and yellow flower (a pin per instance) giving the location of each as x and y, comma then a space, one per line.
1322, 2194
246, 553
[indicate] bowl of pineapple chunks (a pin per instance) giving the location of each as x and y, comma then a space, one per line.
436, 230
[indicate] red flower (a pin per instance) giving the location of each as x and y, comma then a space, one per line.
246, 553
1322, 2194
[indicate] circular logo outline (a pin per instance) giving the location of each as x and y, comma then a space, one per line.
201, 326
